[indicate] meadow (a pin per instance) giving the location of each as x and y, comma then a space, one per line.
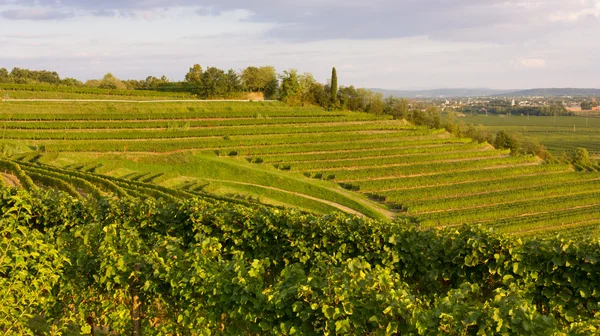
302, 157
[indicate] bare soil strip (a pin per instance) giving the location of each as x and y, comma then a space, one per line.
11, 180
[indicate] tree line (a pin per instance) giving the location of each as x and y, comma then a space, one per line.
290, 86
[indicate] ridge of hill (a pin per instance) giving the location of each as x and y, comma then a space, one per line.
483, 92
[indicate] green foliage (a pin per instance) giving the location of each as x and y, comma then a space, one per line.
504, 140
581, 157
289, 92
219, 268
586, 105
194, 75
334, 87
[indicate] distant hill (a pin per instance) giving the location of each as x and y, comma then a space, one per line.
458, 92
442, 93
553, 92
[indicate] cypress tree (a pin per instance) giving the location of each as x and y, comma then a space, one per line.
334, 87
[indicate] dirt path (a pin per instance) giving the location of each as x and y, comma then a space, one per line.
10, 180
130, 101
330, 203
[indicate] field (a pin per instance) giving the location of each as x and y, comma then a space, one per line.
560, 134
306, 158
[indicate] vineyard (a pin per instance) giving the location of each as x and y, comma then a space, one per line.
227, 218
47, 91
558, 134
306, 158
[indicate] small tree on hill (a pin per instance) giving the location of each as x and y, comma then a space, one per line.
581, 157
506, 141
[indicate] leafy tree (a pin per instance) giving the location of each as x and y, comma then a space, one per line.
214, 82
290, 91
4, 77
256, 79
581, 157
272, 89
71, 82
194, 75
397, 107
334, 87
109, 81
586, 105
504, 140
233, 82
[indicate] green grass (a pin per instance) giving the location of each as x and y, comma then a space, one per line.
225, 170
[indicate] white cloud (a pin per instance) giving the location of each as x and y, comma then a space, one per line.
587, 8
532, 62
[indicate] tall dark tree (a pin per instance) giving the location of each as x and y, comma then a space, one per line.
334, 87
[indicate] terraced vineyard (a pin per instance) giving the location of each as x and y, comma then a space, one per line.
315, 160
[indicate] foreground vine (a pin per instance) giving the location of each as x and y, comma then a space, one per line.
71, 266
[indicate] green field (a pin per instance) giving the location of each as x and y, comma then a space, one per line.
558, 134
306, 158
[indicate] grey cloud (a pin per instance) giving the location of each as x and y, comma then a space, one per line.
36, 14
104, 12
309, 20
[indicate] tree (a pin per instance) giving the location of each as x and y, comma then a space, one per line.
272, 89
109, 81
232, 82
397, 107
214, 82
257, 79
71, 82
586, 106
290, 88
504, 140
334, 87
581, 157
4, 77
194, 75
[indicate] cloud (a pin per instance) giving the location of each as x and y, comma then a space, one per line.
376, 43
313, 20
35, 14
532, 62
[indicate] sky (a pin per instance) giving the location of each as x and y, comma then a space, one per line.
392, 44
